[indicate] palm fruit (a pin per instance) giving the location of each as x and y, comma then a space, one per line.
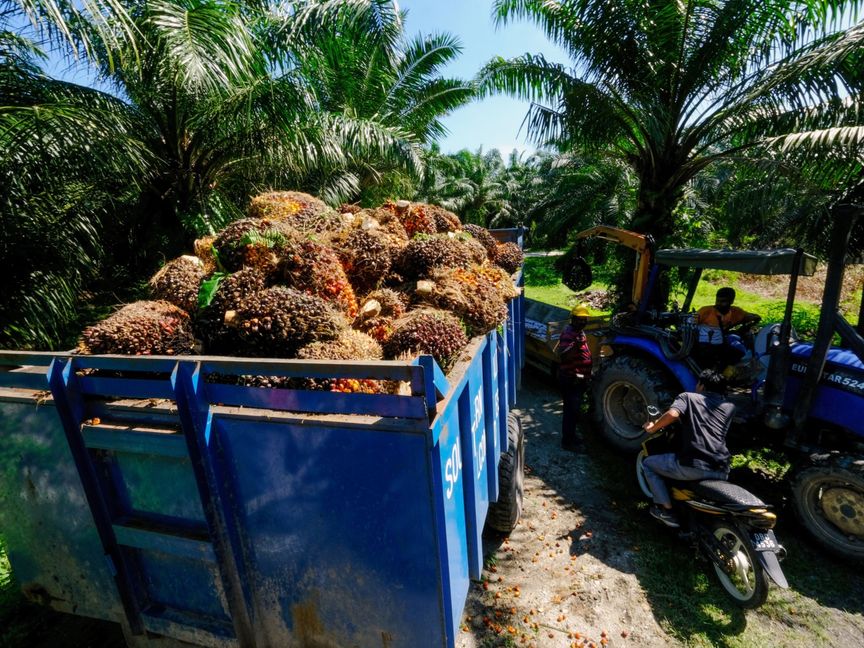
303, 212
204, 250
432, 332
482, 235
141, 328
422, 255
500, 279
366, 256
232, 243
230, 297
379, 311
475, 248
415, 217
383, 218
445, 221
279, 321
350, 345
315, 269
470, 295
509, 256
178, 282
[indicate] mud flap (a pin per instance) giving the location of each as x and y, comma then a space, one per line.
767, 547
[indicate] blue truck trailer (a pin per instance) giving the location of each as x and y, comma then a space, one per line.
153, 492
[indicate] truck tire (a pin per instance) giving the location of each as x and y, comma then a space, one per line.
828, 494
505, 513
623, 389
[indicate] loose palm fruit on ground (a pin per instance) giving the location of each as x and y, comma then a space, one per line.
316, 269
432, 332
178, 282
279, 321
509, 256
482, 235
471, 296
423, 255
303, 212
141, 328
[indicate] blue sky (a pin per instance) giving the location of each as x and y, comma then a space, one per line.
493, 122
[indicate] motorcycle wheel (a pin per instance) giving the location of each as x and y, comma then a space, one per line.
739, 570
640, 475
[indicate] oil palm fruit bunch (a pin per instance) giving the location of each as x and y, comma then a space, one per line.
232, 243
427, 331
475, 249
141, 328
178, 282
501, 279
303, 212
379, 310
383, 218
482, 236
315, 268
205, 251
417, 218
423, 254
231, 294
470, 295
445, 221
279, 321
350, 345
509, 256
366, 256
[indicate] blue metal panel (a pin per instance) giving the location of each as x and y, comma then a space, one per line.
492, 413
502, 391
321, 402
452, 536
339, 531
512, 353
686, 378
472, 427
51, 540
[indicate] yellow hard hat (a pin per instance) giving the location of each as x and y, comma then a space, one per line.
580, 310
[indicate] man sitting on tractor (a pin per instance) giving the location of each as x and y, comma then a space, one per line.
718, 348
574, 372
706, 416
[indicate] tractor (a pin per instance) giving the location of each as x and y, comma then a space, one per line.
807, 397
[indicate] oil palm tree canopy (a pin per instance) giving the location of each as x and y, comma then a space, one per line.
671, 86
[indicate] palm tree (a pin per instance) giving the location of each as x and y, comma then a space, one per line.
391, 81
671, 86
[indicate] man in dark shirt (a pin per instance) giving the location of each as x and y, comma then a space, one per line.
574, 371
705, 416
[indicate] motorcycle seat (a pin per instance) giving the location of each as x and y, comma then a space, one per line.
723, 492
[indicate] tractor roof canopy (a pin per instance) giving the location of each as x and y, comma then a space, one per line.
764, 262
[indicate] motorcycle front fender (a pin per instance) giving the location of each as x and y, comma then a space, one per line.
767, 548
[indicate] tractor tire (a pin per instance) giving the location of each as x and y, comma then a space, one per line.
505, 513
623, 389
828, 495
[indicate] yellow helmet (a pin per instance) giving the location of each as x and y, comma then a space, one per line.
579, 310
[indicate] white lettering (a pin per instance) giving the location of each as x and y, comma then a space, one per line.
452, 469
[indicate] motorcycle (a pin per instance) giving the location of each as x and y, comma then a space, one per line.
729, 526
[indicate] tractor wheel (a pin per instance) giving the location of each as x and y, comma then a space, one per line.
623, 390
505, 513
828, 493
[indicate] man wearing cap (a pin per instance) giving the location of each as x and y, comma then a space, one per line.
716, 346
574, 371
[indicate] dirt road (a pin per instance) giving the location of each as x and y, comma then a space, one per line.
588, 565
